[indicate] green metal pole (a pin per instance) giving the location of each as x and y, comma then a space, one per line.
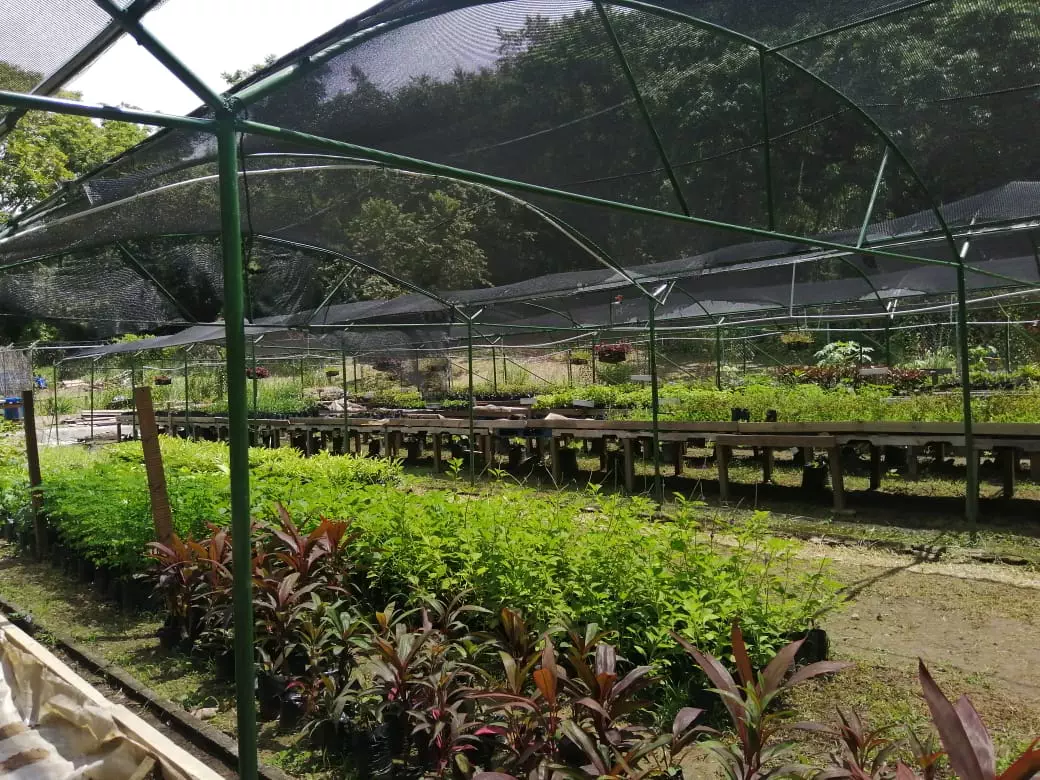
472, 401
187, 404
718, 357
303, 387
767, 162
505, 368
570, 371
346, 414
494, 371
238, 442
353, 361
1007, 347
655, 406
255, 388
93, 365
888, 344
133, 396
593, 360
971, 508
54, 394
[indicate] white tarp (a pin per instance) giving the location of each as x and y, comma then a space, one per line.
54, 726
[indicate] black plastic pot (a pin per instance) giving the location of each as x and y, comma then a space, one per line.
269, 691
814, 478
224, 665
291, 712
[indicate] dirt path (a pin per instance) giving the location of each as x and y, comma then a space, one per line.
976, 626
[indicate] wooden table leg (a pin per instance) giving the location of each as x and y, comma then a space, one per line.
678, 456
437, 453
767, 464
554, 458
912, 471
489, 454
723, 453
837, 478
875, 467
1008, 466
628, 465
1034, 466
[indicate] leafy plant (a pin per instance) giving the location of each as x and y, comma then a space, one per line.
756, 755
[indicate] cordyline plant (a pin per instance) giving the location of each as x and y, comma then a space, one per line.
968, 744
755, 755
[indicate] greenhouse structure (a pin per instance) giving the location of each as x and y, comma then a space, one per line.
562, 172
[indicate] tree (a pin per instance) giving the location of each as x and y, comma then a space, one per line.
232, 77
46, 149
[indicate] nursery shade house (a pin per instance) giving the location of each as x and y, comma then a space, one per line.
431, 172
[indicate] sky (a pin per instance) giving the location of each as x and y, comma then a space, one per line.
210, 37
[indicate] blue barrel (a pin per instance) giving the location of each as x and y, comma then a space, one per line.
13, 408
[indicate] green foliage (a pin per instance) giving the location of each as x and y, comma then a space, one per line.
801, 403
844, 353
99, 501
47, 149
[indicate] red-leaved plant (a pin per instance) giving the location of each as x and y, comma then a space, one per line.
755, 755
968, 744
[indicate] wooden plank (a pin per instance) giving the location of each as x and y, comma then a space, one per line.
162, 517
775, 440
32, 454
875, 467
628, 465
723, 453
837, 478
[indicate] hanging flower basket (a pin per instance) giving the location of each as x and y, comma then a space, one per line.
613, 353
796, 339
257, 373
162, 379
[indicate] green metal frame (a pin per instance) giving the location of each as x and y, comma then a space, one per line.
228, 123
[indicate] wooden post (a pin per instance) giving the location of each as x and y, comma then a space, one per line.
153, 465
554, 458
1009, 464
436, 452
628, 465
32, 453
875, 467
837, 479
486, 444
678, 456
1034, 466
911, 462
767, 464
723, 453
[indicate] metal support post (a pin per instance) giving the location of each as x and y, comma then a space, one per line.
1007, 346
353, 362
238, 442
655, 406
718, 357
494, 371
971, 508
54, 395
346, 413
469, 371
593, 360
133, 397
255, 388
93, 365
187, 404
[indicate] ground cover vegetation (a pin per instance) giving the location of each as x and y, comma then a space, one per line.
457, 632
